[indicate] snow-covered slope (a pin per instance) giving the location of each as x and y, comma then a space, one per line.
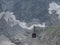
12, 21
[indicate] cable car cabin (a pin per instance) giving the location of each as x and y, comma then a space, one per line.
34, 33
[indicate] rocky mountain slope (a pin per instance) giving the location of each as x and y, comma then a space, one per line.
18, 18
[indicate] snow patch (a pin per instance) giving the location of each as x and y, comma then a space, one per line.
53, 6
